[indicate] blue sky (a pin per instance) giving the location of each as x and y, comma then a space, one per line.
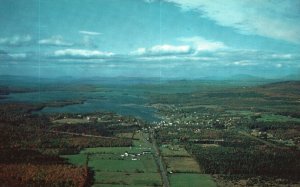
149, 38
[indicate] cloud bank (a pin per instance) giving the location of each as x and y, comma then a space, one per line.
17, 40
161, 50
201, 44
192, 46
80, 54
91, 33
54, 41
273, 18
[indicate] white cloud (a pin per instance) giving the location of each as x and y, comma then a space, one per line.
201, 44
244, 63
18, 55
91, 33
139, 51
149, 1
195, 45
171, 53
81, 54
16, 40
170, 49
55, 41
282, 56
273, 19
164, 50
13, 56
176, 58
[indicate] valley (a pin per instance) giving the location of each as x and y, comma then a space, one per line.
210, 134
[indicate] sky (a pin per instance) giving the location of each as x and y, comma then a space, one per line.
150, 38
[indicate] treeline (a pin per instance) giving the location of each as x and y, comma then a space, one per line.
294, 114
73, 144
248, 161
24, 167
97, 129
264, 126
31, 133
88, 128
43, 175
27, 156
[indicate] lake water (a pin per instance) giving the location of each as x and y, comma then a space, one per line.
121, 100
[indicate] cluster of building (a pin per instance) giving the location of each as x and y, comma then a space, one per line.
134, 156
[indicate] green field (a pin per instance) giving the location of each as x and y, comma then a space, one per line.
182, 164
79, 159
144, 164
114, 150
240, 112
173, 150
277, 118
125, 135
118, 185
191, 180
119, 166
142, 179
140, 140
71, 121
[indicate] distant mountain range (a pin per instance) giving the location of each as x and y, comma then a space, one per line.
136, 80
292, 77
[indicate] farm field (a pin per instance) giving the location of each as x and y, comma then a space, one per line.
277, 118
183, 169
71, 121
182, 165
113, 150
145, 164
134, 166
125, 135
117, 185
125, 178
173, 150
191, 180
78, 159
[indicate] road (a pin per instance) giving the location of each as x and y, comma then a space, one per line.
160, 162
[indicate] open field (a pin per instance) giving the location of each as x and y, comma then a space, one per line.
125, 135
277, 118
182, 164
115, 150
71, 121
124, 178
117, 166
191, 180
78, 159
145, 164
142, 145
173, 150
119, 185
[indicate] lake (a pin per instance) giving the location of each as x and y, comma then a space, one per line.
121, 99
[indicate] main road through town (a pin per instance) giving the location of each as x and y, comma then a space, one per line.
159, 161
